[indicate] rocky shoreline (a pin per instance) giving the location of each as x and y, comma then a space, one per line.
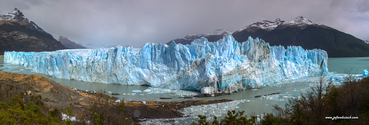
57, 95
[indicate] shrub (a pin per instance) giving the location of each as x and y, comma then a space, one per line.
232, 118
106, 111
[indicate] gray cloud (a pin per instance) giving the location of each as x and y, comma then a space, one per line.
363, 6
97, 23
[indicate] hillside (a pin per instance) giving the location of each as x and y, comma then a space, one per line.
17, 33
70, 44
298, 32
336, 43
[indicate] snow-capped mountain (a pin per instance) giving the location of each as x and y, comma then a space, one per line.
271, 25
265, 25
14, 15
17, 16
298, 32
17, 33
299, 21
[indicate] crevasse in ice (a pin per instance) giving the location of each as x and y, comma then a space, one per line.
222, 66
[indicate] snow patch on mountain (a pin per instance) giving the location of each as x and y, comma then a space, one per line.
299, 21
265, 24
271, 25
366, 41
17, 16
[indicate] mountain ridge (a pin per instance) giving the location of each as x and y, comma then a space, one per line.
17, 33
70, 44
297, 32
366, 41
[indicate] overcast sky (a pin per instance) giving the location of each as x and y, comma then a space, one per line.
105, 23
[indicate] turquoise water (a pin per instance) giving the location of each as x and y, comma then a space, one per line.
353, 64
246, 99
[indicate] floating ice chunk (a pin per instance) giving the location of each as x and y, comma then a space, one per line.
136, 91
208, 90
336, 78
365, 72
4, 68
147, 90
117, 101
210, 110
144, 102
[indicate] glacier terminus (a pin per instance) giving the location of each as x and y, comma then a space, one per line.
207, 67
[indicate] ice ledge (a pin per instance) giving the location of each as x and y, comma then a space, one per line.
208, 67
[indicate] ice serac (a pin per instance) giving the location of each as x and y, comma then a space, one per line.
207, 67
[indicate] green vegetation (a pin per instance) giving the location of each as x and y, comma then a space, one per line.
105, 111
351, 99
17, 109
323, 100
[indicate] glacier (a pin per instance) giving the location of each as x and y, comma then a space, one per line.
203, 66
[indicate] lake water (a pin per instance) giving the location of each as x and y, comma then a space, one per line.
244, 100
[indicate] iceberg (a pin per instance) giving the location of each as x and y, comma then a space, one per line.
202, 66
365, 72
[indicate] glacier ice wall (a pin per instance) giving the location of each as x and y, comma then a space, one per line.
222, 66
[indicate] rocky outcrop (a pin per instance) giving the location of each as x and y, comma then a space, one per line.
53, 93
